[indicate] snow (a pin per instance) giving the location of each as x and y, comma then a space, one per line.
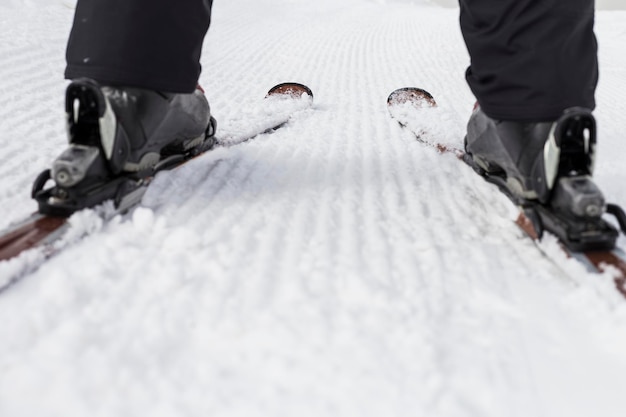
335, 267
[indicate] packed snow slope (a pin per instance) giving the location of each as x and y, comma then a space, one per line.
334, 268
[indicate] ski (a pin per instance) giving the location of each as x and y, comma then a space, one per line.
45, 229
592, 242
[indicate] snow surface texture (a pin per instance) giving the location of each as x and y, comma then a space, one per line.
334, 268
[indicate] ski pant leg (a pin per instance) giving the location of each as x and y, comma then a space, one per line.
530, 59
153, 44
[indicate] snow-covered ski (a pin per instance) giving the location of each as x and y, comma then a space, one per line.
44, 231
593, 246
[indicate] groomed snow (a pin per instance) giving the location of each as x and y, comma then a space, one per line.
334, 268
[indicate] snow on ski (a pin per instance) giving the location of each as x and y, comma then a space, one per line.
405, 106
47, 232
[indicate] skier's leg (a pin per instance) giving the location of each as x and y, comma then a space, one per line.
133, 101
530, 59
142, 43
530, 62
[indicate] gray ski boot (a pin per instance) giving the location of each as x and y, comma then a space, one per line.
550, 162
117, 136
546, 168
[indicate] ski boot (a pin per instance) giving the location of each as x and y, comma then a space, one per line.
120, 136
546, 168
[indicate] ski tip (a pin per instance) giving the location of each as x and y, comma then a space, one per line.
413, 95
294, 90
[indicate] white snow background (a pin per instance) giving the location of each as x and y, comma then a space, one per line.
334, 268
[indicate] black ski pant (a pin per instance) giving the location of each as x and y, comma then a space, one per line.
530, 59
154, 44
